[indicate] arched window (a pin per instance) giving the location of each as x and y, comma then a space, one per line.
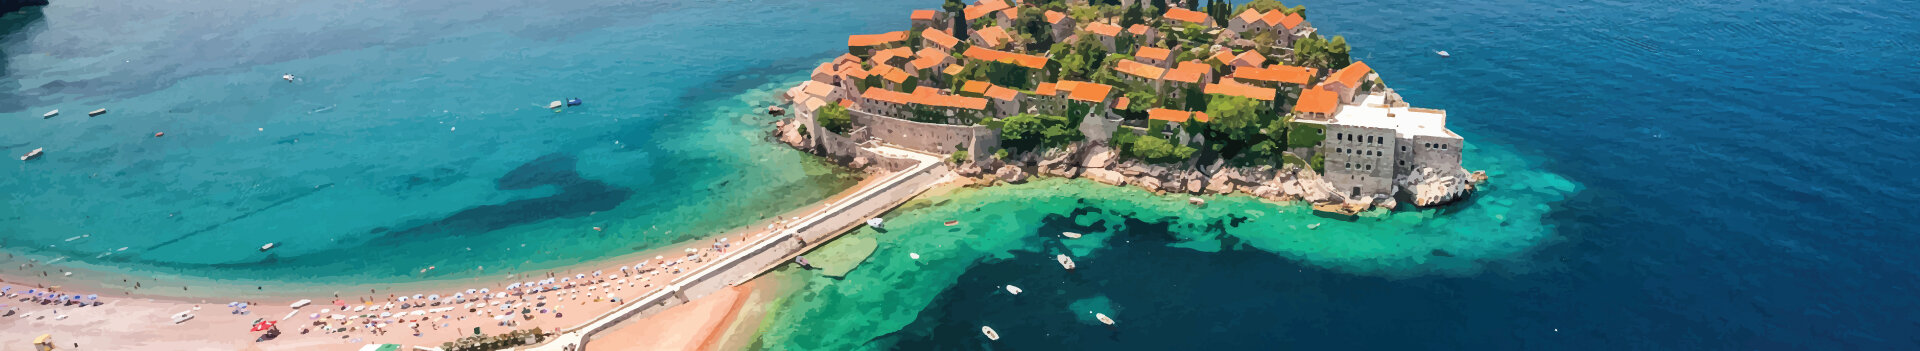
1443, 146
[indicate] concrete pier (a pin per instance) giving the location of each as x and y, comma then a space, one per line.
770, 251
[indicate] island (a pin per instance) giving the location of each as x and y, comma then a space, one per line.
1212, 99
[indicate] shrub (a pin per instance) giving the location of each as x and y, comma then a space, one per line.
834, 118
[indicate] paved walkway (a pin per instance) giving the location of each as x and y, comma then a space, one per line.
769, 251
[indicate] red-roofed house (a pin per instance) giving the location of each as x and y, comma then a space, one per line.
938, 38
1229, 87
1090, 92
892, 57
1249, 59
1143, 35
926, 18
1347, 81
1131, 70
1284, 26
1290, 80
864, 44
1316, 105
1180, 15
1062, 25
992, 37
929, 60
1154, 56
1106, 32
1036, 65
996, 8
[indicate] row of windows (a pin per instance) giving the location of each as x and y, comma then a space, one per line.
1436, 146
1360, 138
1358, 151
1362, 166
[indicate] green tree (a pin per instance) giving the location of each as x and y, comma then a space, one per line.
834, 118
1156, 150
1233, 116
1159, 5
1132, 17
1322, 53
1026, 131
957, 9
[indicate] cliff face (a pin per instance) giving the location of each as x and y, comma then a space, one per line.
11, 5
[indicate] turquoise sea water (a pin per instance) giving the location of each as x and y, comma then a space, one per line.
1667, 174
416, 136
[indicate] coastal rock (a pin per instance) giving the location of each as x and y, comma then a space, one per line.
1195, 185
860, 162
1105, 176
1427, 186
1149, 183
1221, 183
1100, 157
1011, 174
789, 133
969, 170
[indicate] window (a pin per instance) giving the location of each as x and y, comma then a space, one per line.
1369, 167
1403, 162
1403, 148
1339, 150
1443, 146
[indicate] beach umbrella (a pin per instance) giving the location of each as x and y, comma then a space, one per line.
93, 296
263, 325
6, 289
418, 296
470, 291
657, 258
433, 297
484, 290
386, 314
563, 280
596, 273
513, 286
580, 276
419, 313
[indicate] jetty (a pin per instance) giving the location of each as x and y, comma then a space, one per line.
770, 251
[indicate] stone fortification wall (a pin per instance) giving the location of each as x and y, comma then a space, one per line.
929, 137
1099, 129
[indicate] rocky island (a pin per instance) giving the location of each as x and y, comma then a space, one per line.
1202, 98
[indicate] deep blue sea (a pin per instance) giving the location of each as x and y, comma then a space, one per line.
1742, 172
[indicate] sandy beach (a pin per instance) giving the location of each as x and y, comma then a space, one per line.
567, 297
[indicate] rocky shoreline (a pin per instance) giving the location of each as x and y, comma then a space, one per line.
1096, 161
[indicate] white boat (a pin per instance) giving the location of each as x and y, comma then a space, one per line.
876, 223
1064, 261
1103, 318
1313, 226
1196, 201
268, 246
50, 114
289, 77
33, 154
1070, 235
1013, 289
555, 104
1443, 53
97, 112
914, 255
991, 335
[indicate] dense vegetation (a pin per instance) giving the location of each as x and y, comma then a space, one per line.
834, 118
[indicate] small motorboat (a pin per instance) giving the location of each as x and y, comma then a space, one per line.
268, 246
289, 77
1070, 235
1064, 261
97, 112
50, 114
914, 255
1103, 318
1313, 226
1196, 201
776, 111
952, 223
574, 102
556, 104
1443, 53
33, 154
991, 335
1013, 289
876, 223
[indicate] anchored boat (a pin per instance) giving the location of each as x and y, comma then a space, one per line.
1013, 289
1103, 318
33, 154
1064, 261
50, 114
1070, 235
268, 246
991, 335
1443, 53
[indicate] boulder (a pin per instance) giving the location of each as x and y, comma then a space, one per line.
1100, 157
1011, 174
969, 170
1221, 183
1149, 183
1105, 176
860, 162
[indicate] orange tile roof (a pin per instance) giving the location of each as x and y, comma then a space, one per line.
1138, 29
939, 38
976, 87
891, 74
818, 89
845, 58
846, 103
1045, 88
920, 15
1089, 91
1292, 20
1189, 72
1224, 57
1028, 61
1272, 17
1249, 16
1055, 16
928, 57
1139, 69
954, 69
1252, 57
1103, 29
1153, 53
886, 56
924, 96
1317, 101
1001, 93
1122, 103
994, 36
1352, 74
1201, 116
1277, 73
1185, 15
1231, 88
1178, 116
825, 67
1013, 13
984, 8
1066, 85
855, 72
875, 39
